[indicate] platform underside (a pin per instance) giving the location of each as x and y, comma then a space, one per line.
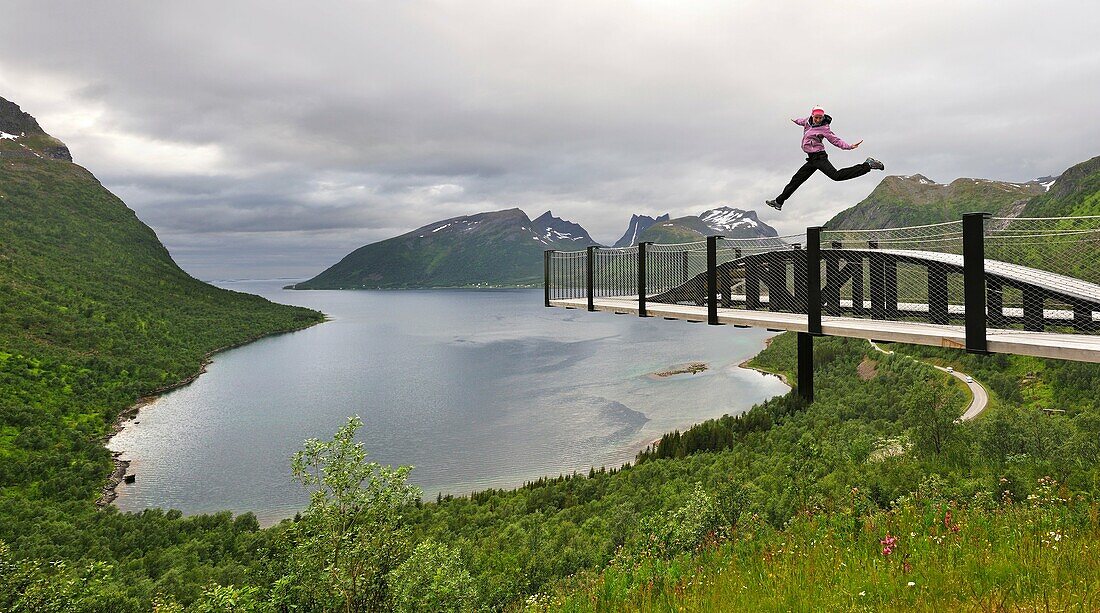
1078, 347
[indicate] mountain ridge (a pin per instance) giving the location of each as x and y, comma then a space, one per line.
493, 248
912, 200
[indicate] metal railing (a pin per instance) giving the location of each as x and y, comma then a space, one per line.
988, 274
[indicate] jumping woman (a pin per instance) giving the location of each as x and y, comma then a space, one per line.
814, 129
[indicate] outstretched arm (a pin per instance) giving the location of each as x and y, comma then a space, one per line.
837, 141
801, 121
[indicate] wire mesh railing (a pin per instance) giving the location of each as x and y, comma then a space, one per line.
759, 274
615, 272
909, 273
989, 274
566, 275
675, 273
1043, 274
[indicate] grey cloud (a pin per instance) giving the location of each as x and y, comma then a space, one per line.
593, 110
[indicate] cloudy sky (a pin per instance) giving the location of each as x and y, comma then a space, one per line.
268, 139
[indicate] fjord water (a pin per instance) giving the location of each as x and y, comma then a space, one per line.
475, 388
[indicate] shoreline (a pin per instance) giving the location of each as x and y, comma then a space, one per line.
109, 492
781, 376
744, 364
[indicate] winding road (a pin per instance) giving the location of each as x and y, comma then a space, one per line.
980, 396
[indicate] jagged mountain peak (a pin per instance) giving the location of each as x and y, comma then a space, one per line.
552, 230
22, 137
13, 120
637, 226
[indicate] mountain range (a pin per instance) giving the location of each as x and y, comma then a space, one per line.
913, 200
505, 248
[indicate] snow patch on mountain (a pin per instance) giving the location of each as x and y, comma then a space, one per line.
730, 220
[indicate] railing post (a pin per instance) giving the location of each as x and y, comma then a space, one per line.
547, 258
813, 280
712, 280
806, 366
642, 280
590, 277
974, 280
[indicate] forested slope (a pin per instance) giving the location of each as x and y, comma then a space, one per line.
93, 315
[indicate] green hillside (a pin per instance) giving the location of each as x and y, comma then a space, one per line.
680, 230
916, 200
94, 314
496, 248
1076, 192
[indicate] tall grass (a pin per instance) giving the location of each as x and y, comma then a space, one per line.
926, 554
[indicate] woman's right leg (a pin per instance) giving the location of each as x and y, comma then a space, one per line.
798, 179
824, 165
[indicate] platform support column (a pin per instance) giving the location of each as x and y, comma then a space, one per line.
752, 283
590, 276
994, 297
890, 287
974, 280
1034, 319
877, 277
856, 262
642, 279
813, 280
937, 295
806, 366
712, 280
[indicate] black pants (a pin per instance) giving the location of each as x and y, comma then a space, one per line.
820, 161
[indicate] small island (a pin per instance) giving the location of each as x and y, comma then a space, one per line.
684, 369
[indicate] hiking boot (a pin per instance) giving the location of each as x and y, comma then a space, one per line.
875, 164
775, 205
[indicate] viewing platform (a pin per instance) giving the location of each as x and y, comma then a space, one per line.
983, 285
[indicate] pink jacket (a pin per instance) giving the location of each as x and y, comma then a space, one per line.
812, 135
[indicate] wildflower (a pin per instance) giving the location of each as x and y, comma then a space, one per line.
888, 543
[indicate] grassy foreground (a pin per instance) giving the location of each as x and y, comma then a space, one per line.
928, 554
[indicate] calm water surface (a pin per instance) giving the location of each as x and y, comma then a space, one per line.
476, 389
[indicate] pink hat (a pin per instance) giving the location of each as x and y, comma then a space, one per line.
817, 110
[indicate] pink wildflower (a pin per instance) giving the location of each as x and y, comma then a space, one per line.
888, 542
